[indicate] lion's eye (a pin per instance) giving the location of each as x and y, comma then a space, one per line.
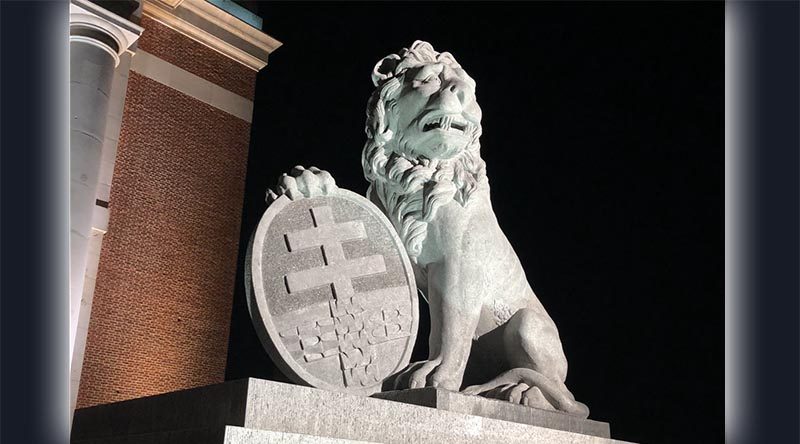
432, 79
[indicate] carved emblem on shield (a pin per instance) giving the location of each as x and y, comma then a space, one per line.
331, 292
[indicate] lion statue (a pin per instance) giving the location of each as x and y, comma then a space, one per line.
422, 159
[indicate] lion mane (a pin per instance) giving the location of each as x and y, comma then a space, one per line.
412, 188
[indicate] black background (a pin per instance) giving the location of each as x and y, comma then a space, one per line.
603, 134
668, 407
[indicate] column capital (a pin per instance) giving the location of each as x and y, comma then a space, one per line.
95, 25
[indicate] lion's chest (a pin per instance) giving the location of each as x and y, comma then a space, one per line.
471, 234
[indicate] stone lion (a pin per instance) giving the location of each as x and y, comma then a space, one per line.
422, 159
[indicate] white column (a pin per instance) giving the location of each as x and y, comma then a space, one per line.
97, 39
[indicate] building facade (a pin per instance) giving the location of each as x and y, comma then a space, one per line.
161, 103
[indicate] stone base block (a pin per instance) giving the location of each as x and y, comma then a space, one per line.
496, 409
253, 411
227, 435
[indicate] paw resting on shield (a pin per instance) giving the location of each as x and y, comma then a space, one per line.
301, 182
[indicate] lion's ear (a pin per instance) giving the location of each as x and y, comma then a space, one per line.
421, 45
384, 69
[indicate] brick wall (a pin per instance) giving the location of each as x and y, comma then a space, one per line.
161, 311
198, 59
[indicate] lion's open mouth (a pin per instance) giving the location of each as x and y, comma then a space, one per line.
447, 123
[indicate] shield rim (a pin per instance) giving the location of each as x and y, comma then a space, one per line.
262, 318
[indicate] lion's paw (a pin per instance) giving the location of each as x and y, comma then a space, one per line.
430, 373
531, 388
520, 393
301, 182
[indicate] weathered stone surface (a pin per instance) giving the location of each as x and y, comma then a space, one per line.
496, 409
333, 294
227, 435
199, 415
241, 435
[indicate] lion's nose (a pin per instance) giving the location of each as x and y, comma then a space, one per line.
454, 97
460, 91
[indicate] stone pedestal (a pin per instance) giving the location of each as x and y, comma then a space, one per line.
252, 411
497, 409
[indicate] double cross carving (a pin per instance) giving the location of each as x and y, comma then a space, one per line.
338, 271
352, 329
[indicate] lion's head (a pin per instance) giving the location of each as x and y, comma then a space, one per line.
423, 129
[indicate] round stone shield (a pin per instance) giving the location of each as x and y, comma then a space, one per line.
333, 295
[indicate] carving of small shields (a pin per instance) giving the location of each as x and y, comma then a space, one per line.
331, 292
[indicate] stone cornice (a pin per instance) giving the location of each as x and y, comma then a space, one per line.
215, 28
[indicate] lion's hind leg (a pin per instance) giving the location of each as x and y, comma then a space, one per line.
538, 366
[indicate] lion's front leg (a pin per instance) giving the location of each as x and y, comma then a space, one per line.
455, 311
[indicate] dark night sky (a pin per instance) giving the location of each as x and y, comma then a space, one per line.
603, 137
